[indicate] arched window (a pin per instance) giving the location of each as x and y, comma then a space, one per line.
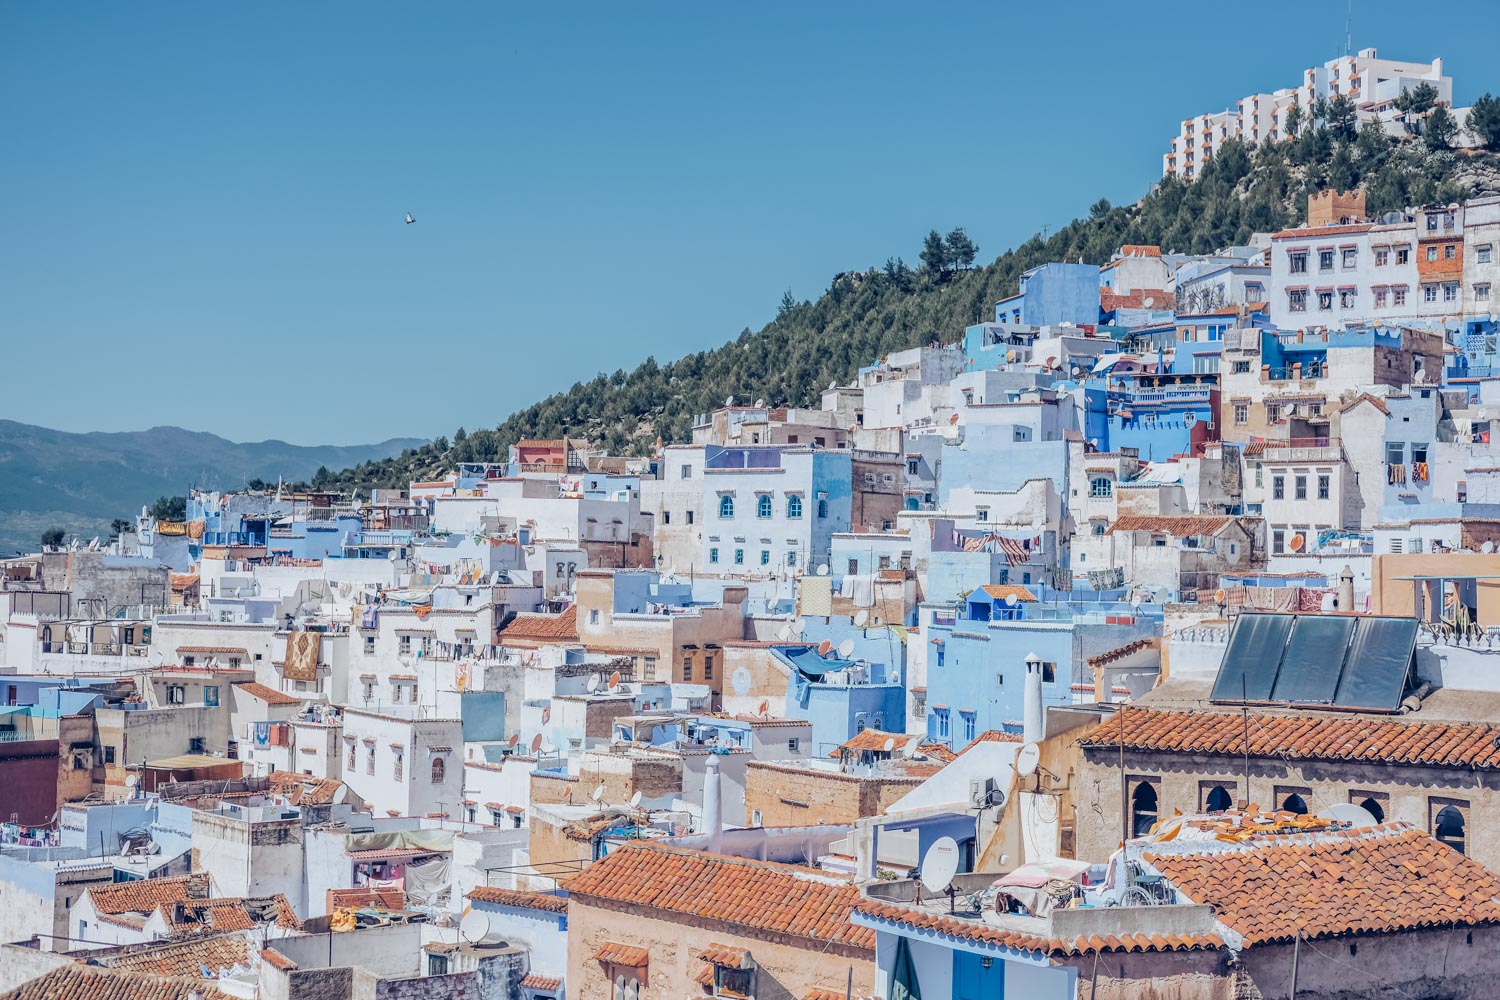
1143, 809
1373, 808
1296, 804
726, 506
1218, 800
619, 988
1448, 827
794, 506
763, 505
1098, 527
439, 770
1101, 487
822, 508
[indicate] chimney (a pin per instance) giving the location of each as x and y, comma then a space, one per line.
713, 810
1346, 589
1031, 726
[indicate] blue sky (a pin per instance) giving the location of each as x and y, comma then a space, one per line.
203, 220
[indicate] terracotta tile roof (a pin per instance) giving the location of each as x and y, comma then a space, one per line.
225, 914
277, 960
1179, 525
212, 649
266, 694
728, 956
957, 928
537, 981
86, 982
543, 628
145, 895
519, 897
1120, 652
1302, 737
360, 897
696, 886
304, 789
1000, 591
1371, 881
391, 854
182, 959
992, 736
874, 740
622, 954
705, 976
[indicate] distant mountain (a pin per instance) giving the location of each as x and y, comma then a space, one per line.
81, 482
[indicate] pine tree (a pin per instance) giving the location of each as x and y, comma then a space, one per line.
961, 249
934, 253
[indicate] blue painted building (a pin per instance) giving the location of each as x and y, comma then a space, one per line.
990, 458
1053, 294
1159, 415
1478, 357
841, 696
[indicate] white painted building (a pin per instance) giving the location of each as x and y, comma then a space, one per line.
403, 765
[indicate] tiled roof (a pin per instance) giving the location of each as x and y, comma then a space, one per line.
266, 694
1178, 525
1000, 591
391, 854
519, 897
1370, 881
211, 649
992, 736
622, 954
360, 897
145, 895
277, 960
728, 956
957, 928
1120, 652
873, 740
225, 914
543, 628
86, 982
696, 886
182, 959
304, 789
1303, 737
537, 981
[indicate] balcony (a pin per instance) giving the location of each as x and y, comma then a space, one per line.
1303, 449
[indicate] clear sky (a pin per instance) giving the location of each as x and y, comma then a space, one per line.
204, 201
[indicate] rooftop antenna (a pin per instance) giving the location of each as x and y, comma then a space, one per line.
1348, 18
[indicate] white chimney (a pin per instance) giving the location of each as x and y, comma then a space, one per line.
1031, 725
1346, 589
713, 810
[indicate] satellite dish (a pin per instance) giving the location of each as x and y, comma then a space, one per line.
825, 647
536, 742
391, 555
860, 617
132, 780
912, 746
1297, 542
1027, 759
474, 926
728, 400
765, 708
614, 680
1010, 600
834, 384
1220, 596
846, 649
594, 681
635, 800
1481, 414
796, 626
546, 715
889, 744
940, 864
785, 633
1487, 547
598, 793
1326, 602
1010, 355
1348, 812
759, 403
515, 738
822, 569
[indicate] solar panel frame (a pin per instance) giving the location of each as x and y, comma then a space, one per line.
1315, 660
1380, 658
1256, 644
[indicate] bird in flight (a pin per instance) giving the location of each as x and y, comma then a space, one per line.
410, 218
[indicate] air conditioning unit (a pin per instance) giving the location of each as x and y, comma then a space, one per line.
984, 792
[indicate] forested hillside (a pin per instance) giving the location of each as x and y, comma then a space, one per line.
865, 314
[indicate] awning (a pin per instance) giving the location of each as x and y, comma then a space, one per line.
622, 954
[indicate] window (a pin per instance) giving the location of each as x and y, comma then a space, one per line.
940, 721
713, 555
1242, 367
403, 645
666, 517
794, 745
437, 965
794, 506
369, 645
350, 763
686, 472
1254, 292
210, 695
1278, 487
1450, 292
708, 666
1297, 261
1373, 803
1216, 797
1241, 413
763, 506
1350, 258
981, 513
1482, 292
1450, 251
1101, 487
1403, 255
734, 982
970, 724
1278, 540
398, 766
822, 507
1294, 802
791, 558
176, 694
1448, 823
648, 670
739, 557
1432, 223
1325, 260
109, 755
726, 506
1346, 298
1300, 483
853, 567
1382, 256
1432, 253
593, 616
1381, 295
1323, 484
1398, 295
692, 516
1429, 293
1049, 672
1145, 803
439, 770
370, 761
687, 669
1325, 301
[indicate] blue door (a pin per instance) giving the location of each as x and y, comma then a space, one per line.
972, 981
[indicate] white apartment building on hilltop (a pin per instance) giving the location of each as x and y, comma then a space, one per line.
1374, 84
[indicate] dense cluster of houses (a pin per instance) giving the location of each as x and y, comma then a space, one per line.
1143, 635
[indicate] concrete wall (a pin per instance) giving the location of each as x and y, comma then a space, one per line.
789, 796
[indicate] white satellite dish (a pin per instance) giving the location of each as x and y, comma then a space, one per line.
822, 569
1348, 812
911, 748
939, 864
785, 633
1487, 547
1027, 759
474, 926
598, 793
759, 403
846, 649
1326, 602
1010, 600
594, 681
860, 617
1481, 414
635, 800
728, 400
889, 744
132, 780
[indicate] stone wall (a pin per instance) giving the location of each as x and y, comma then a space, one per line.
792, 796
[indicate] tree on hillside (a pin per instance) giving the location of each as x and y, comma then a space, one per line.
1099, 209
1418, 100
1343, 118
1439, 130
788, 304
1484, 122
53, 538
119, 526
1293, 121
934, 253
169, 509
961, 249
1342, 176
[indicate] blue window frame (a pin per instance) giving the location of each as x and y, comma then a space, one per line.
794, 506
726, 506
822, 508
969, 724
765, 557
763, 506
713, 555
791, 558
940, 719
739, 557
